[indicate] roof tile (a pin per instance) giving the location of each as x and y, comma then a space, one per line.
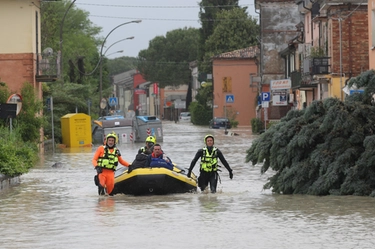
244, 53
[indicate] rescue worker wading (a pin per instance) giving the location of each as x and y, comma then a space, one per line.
208, 167
105, 161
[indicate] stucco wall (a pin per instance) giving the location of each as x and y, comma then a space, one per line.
244, 97
19, 43
18, 26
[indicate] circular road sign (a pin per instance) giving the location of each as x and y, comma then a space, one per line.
103, 103
15, 99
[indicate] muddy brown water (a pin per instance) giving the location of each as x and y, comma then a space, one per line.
60, 208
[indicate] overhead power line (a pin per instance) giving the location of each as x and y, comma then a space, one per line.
163, 7
165, 19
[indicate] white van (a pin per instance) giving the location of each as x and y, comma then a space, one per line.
185, 117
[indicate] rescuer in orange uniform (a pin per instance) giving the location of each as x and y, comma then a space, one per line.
105, 161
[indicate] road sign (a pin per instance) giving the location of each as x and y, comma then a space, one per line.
16, 99
356, 91
266, 96
229, 98
103, 103
48, 103
113, 101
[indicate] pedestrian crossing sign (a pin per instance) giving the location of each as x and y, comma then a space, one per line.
113, 101
229, 98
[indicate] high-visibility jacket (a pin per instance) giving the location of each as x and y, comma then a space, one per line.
109, 160
209, 160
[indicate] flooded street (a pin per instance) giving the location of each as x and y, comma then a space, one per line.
60, 208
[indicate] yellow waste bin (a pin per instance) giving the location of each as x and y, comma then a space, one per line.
76, 130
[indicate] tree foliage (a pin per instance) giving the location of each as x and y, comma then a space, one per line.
166, 60
201, 110
121, 64
207, 16
79, 40
18, 148
232, 28
328, 148
16, 155
29, 121
67, 98
80, 53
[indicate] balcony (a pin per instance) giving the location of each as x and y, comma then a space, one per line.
316, 65
302, 82
47, 67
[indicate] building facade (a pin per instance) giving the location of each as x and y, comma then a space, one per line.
278, 20
20, 48
232, 95
371, 29
334, 47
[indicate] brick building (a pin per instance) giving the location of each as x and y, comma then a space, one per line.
335, 46
278, 20
351, 22
20, 43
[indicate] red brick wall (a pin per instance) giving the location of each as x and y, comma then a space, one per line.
354, 43
16, 69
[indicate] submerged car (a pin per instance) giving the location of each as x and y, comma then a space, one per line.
185, 117
220, 122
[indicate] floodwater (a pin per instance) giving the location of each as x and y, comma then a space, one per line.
60, 208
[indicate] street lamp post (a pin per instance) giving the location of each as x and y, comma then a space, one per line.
101, 75
105, 39
101, 53
101, 65
110, 32
101, 49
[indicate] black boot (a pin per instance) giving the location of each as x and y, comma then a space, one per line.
101, 190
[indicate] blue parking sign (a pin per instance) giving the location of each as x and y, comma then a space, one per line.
266, 96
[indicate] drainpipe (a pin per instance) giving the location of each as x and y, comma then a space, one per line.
350, 44
340, 32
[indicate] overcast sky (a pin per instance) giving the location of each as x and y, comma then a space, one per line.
158, 17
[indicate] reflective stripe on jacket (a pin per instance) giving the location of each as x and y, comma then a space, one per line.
109, 160
209, 161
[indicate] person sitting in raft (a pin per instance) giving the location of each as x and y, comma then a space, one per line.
143, 152
149, 143
140, 160
158, 159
